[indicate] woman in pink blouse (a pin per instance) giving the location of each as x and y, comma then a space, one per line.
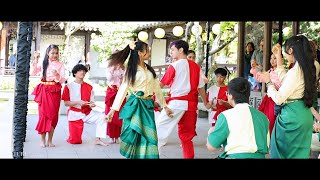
114, 79
48, 93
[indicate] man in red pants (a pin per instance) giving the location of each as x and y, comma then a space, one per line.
183, 77
79, 96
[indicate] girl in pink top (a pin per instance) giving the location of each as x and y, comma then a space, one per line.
267, 105
273, 75
255, 84
48, 93
114, 79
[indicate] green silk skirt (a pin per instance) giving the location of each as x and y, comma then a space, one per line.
138, 134
292, 133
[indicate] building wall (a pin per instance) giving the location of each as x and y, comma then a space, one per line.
158, 52
98, 69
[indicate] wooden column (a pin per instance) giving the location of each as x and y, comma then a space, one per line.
3, 45
241, 47
295, 27
280, 40
150, 41
267, 49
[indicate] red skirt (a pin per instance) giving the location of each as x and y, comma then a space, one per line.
267, 107
114, 127
48, 97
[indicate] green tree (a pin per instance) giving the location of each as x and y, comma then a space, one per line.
113, 35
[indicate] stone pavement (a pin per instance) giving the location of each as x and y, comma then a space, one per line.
63, 150
87, 149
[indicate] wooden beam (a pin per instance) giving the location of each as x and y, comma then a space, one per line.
241, 47
295, 27
3, 49
59, 32
280, 40
4, 44
267, 49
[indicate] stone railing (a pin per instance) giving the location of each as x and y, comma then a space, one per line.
160, 70
7, 70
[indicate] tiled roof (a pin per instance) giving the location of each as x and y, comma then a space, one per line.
55, 25
158, 24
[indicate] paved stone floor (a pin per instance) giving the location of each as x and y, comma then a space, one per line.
87, 149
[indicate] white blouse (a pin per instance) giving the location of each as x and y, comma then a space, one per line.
292, 85
144, 82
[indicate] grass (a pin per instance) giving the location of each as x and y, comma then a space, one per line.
32, 107
3, 104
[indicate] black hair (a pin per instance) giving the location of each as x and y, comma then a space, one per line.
252, 45
191, 51
45, 62
302, 54
221, 71
119, 57
180, 44
77, 68
239, 88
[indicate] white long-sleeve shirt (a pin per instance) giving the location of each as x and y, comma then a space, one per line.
144, 82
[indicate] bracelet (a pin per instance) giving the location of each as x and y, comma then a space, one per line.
268, 83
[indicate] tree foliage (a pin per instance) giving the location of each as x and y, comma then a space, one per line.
114, 35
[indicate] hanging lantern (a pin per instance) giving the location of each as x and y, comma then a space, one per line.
216, 29
143, 36
159, 33
1, 26
177, 31
193, 29
235, 28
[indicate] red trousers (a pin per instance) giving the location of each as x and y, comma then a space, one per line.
186, 132
75, 132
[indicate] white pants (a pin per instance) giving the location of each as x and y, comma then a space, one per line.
165, 125
97, 118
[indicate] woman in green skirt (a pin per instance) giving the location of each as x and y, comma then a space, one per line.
138, 134
292, 132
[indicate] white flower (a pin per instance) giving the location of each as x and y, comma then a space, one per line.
132, 45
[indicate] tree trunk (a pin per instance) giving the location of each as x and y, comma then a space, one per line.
188, 33
70, 28
213, 51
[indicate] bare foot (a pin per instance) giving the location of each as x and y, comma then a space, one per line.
99, 142
111, 141
51, 145
117, 141
42, 145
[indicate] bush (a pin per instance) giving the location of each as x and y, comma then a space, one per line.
7, 83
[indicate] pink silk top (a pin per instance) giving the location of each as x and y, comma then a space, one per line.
53, 65
114, 75
274, 78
